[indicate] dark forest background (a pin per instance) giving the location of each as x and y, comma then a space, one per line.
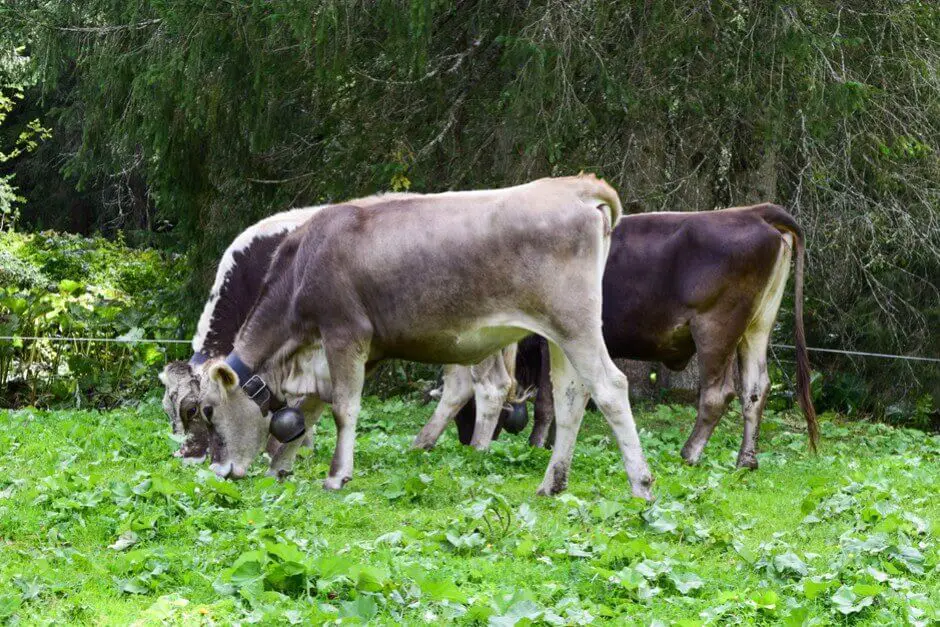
174, 125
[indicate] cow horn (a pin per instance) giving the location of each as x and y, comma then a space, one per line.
287, 425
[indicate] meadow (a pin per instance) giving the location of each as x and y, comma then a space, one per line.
100, 524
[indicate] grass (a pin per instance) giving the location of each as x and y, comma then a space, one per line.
99, 524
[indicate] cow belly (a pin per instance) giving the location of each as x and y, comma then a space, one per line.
466, 347
673, 346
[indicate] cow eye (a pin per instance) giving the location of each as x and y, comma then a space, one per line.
191, 412
207, 412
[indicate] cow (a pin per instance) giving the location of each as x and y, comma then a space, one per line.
237, 284
709, 283
444, 278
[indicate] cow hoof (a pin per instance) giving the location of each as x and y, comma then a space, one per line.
748, 461
549, 490
420, 444
280, 474
689, 457
644, 489
334, 483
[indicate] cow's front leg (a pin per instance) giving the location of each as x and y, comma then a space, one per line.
283, 455
491, 384
716, 389
458, 389
347, 369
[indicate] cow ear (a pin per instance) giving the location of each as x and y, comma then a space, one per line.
164, 379
223, 374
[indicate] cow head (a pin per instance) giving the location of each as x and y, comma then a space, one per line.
181, 403
237, 424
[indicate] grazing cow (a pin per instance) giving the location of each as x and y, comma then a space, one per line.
237, 284
442, 278
677, 284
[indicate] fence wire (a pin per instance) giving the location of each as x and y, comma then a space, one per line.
125, 340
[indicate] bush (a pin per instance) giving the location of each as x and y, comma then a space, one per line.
66, 286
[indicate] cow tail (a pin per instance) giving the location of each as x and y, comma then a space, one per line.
803, 381
783, 221
601, 192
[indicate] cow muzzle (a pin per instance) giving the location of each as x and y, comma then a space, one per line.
287, 425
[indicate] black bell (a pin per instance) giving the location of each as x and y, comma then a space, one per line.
516, 418
287, 425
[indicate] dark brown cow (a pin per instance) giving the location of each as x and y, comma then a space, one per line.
677, 284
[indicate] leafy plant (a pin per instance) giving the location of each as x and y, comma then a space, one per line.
66, 287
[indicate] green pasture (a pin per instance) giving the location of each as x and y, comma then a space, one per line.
100, 524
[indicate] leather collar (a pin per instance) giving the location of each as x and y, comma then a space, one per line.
254, 386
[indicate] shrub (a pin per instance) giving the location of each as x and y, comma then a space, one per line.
66, 286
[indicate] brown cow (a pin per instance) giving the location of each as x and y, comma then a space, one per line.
677, 284
442, 278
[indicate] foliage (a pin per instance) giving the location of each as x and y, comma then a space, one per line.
14, 72
213, 114
100, 523
54, 285
27, 141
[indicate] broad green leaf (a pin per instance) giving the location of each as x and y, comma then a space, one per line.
523, 612
789, 562
369, 578
812, 588
686, 582
363, 607
438, 588
765, 599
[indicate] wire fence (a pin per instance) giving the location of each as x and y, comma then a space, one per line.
127, 340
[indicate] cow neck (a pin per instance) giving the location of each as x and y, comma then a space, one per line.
253, 385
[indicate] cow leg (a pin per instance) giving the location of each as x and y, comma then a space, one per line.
571, 397
755, 385
542, 435
491, 385
282, 459
609, 389
716, 389
458, 389
347, 369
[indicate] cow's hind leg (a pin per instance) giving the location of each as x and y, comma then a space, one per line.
491, 385
752, 358
458, 389
608, 387
283, 455
570, 396
755, 385
347, 369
